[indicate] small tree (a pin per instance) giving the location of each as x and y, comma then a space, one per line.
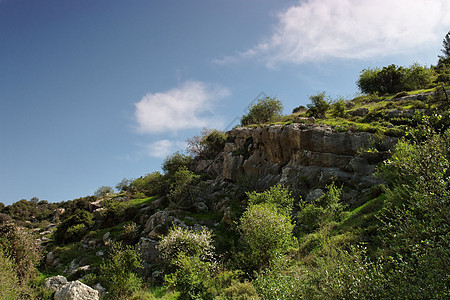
187, 241
264, 111
267, 234
208, 144
117, 273
319, 105
338, 108
103, 191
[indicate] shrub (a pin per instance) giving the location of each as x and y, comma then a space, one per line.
264, 111
20, 247
208, 145
188, 241
181, 188
103, 191
149, 185
75, 227
117, 273
319, 105
192, 277
324, 209
278, 195
176, 161
239, 291
338, 108
267, 234
10, 286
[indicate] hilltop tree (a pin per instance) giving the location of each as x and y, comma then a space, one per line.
264, 111
446, 48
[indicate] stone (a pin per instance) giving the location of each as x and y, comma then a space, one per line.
160, 217
75, 290
201, 207
314, 195
100, 289
50, 259
148, 250
99, 253
359, 112
55, 282
106, 237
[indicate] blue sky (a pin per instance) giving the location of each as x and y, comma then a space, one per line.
92, 92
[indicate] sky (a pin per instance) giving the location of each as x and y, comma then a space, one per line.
94, 91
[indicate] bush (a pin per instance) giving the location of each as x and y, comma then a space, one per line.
267, 234
181, 188
319, 105
264, 111
149, 185
20, 247
324, 209
338, 108
75, 227
190, 242
192, 277
10, 286
103, 191
208, 145
117, 273
278, 196
176, 161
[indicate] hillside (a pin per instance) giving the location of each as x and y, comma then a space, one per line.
351, 202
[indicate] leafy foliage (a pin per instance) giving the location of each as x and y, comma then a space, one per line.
208, 144
319, 105
117, 273
190, 242
278, 196
267, 234
74, 227
264, 111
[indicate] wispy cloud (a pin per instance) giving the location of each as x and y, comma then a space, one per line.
316, 30
163, 148
186, 107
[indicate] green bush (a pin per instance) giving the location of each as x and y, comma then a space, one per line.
117, 273
208, 145
18, 245
324, 209
338, 108
319, 105
75, 227
176, 161
191, 278
277, 195
10, 286
103, 191
182, 193
267, 234
188, 241
264, 111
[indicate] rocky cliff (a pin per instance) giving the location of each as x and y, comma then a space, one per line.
306, 157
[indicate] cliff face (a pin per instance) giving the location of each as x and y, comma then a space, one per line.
303, 156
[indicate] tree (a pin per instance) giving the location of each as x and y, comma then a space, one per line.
208, 144
267, 234
319, 105
264, 111
103, 191
118, 272
446, 47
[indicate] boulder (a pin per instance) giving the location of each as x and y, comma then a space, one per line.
50, 258
55, 282
75, 290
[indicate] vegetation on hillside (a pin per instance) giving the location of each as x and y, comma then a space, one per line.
262, 244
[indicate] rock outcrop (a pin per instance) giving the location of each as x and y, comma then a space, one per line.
303, 156
75, 290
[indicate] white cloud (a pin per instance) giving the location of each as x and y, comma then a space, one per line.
320, 29
186, 107
163, 148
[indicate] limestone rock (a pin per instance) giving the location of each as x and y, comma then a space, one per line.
55, 282
75, 290
50, 258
